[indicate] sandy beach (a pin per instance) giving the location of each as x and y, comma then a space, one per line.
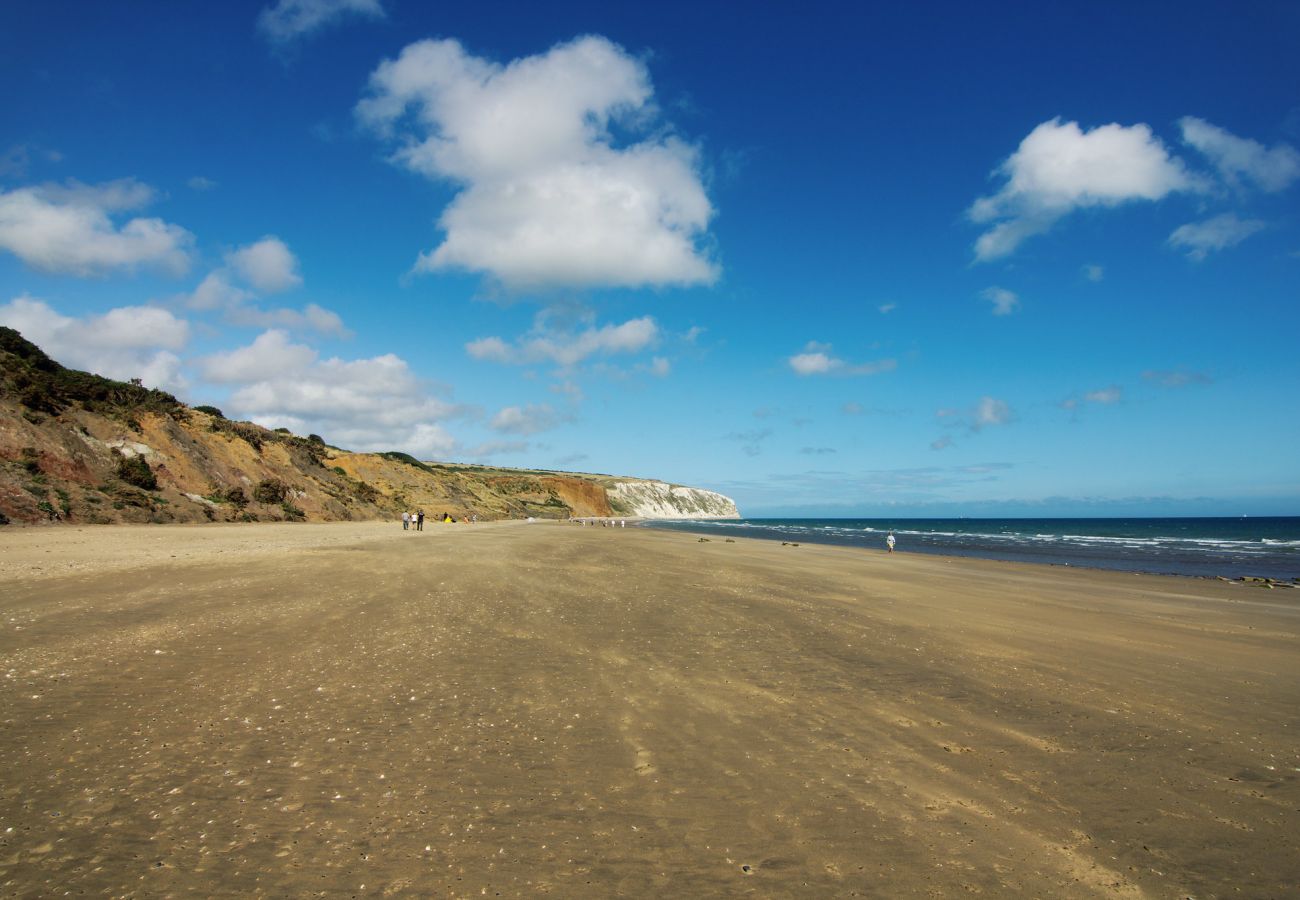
520, 709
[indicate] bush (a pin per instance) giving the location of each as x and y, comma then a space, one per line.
399, 456
271, 491
235, 496
292, 513
135, 471
212, 411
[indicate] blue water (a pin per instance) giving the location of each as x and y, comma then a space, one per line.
1233, 548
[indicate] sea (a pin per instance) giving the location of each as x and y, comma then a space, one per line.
1263, 547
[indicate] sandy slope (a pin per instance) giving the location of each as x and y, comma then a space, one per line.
350, 709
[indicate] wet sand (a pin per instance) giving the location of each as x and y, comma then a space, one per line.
516, 710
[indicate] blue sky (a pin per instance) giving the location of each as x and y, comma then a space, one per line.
917, 259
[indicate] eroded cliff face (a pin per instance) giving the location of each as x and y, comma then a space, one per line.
78, 448
659, 500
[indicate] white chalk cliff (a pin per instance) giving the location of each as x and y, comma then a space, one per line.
659, 500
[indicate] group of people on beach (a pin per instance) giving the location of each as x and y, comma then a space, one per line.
414, 521
604, 523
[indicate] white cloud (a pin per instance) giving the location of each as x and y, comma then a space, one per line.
1094, 272
119, 195
1059, 168
200, 183
887, 308
660, 367
489, 449
1004, 302
527, 420
124, 343
291, 19
1105, 396
989, 412
548, 199
567, 348
1270, 169
1219, 233
364, 404
267, 265
271, 355
216, 292
816, 359
310, 318
69, 229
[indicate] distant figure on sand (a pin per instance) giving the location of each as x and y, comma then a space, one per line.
406, 520
889, 542
419, 521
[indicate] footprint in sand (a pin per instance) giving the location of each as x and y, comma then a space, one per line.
645, 763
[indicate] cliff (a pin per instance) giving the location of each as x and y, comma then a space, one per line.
657, 500
79, 448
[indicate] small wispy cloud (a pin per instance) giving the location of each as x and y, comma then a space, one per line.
989, 412
1004, 302
816, 359
1107, 396
528, 420
751, 442
1239, 160
1176, 378
289, 20
1226, 230
1093, 272
568, 347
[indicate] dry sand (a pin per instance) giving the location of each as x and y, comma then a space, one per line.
514, 710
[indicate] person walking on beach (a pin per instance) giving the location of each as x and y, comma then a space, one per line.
419, 521
889, 541
406, 520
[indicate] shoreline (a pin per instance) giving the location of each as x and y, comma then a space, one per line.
830, 539
528, 709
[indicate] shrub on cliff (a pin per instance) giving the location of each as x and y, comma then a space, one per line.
136, 471
271, 491
211, 410
42, 385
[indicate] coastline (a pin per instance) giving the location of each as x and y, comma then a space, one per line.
530, 708
1094, 543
